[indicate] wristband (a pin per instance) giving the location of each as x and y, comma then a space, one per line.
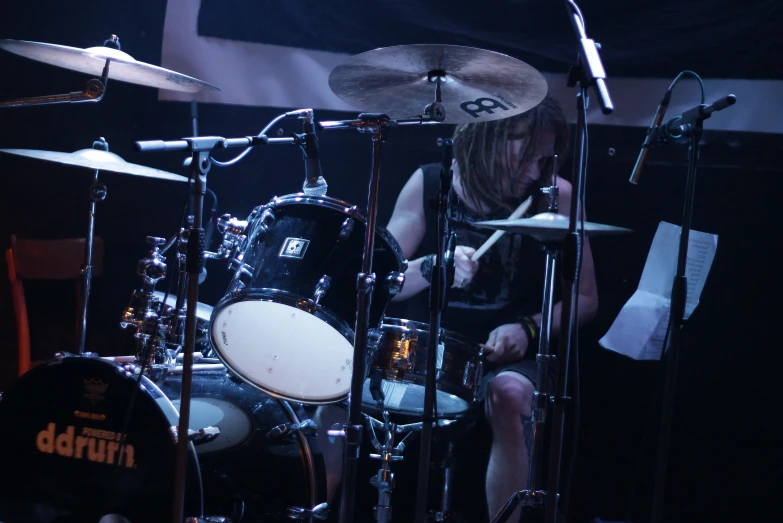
531, 328
426, 267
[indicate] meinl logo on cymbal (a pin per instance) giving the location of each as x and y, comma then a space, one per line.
95, 445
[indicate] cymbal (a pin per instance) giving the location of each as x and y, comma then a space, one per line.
96, 159
549, 226
477, 85
123, 67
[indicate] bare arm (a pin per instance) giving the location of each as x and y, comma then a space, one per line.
407, 225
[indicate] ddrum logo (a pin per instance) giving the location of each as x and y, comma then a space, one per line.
98, 446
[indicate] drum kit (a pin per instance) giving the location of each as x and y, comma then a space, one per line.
302, 324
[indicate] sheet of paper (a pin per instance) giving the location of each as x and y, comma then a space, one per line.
640, 328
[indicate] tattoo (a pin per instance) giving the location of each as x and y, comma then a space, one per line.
527, 428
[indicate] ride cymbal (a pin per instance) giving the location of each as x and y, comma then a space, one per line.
477, 85
123, 67
549, 226
96, 159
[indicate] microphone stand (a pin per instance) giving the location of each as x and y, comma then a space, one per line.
589, 72
200, 149
690, 125
438, 289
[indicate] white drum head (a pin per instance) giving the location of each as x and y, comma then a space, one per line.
285, 351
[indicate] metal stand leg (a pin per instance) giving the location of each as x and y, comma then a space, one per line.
532, 499
97, 194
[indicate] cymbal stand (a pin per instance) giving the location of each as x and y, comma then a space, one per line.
377, 125
97, 194
93, 90
532, 498
438, 289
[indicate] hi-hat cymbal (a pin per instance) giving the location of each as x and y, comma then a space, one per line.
96, 159
549, 226
123, 67
477, 85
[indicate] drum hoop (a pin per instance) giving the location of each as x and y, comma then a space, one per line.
293, 300
348, 209
422, 327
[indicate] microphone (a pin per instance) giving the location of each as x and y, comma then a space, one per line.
647, 143
677, 126
314, 184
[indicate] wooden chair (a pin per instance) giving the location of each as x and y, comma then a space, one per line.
45, 260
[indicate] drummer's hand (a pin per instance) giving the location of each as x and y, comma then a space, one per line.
506, 344
464, 267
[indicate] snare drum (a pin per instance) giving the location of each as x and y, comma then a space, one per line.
401, 356
286, 324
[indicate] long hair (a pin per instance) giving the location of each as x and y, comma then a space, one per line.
482, 168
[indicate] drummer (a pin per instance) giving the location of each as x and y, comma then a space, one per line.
498, 299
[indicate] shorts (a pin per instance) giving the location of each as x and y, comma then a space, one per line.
527, 368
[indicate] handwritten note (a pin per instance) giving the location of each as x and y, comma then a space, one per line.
639, 331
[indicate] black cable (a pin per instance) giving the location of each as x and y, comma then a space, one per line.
568, 488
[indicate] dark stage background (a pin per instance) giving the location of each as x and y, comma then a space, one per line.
726, 445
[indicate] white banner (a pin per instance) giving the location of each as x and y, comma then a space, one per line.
264, 75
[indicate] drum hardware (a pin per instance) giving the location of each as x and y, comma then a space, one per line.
307, 427
319, 512
108, 61
203, 435
143, 313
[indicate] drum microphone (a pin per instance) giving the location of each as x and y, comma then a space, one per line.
314, 184
648, 139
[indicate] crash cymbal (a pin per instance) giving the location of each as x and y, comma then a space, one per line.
96, 159
123, 67
548, 226
477, 85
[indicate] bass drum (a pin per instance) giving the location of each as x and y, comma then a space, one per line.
257, 469
82, 438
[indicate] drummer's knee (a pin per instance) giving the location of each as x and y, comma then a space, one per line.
510, 397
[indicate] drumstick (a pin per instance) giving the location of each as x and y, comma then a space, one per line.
522, 209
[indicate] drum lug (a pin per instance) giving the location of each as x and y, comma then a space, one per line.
307, 427
321, 287
320, 511
346, 229
394, 282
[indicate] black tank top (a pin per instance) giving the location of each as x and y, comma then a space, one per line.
509, 281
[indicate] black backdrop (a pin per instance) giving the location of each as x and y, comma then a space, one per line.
725, 457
